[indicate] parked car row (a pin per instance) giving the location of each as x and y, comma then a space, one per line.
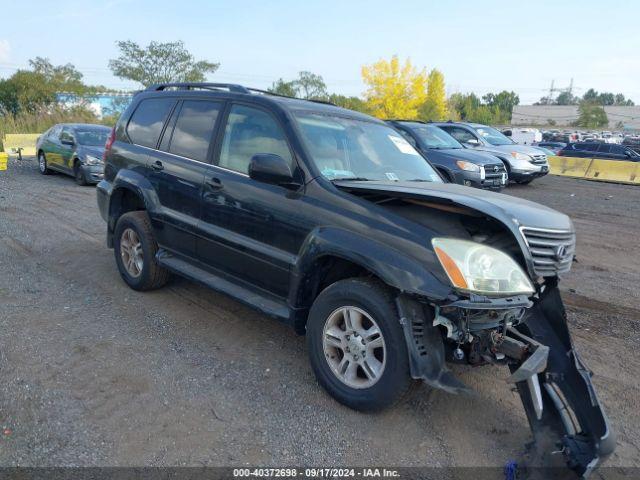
465, 153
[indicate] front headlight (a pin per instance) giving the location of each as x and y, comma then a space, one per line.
475, 267
468, 166
521, 156
90, 160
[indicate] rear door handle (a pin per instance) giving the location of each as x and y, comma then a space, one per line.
157, 165
213, 183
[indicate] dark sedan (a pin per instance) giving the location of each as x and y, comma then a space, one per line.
74, 149
455, 163
604, 151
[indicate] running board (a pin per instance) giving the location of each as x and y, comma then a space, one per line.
269, 305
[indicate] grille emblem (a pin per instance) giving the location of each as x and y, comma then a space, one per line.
561, 252
495, 168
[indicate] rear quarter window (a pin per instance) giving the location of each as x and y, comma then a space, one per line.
148, 119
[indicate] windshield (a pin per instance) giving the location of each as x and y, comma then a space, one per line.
92, 137
433, 137
344, 148
493, 136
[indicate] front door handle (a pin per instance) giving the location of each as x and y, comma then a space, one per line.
214, 183
157, 165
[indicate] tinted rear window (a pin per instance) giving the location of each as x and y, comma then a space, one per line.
146, 122
194, 128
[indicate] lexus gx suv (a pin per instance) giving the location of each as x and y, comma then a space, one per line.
330, 221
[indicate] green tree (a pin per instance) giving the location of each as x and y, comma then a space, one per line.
159, 63
352, 103
25, 91
501, 104
435, 106
62, 78
591, 116
280, 87
310, 86
567, 98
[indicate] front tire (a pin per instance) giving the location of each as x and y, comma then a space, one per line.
43, 168
78, 174
135, 251
356, 345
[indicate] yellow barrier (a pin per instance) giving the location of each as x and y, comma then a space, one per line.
614, 171
596, 169
569, 166
4, 158
14, 143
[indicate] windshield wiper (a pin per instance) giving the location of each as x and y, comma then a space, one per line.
418, 180
351, 179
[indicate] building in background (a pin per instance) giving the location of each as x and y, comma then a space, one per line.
620, 118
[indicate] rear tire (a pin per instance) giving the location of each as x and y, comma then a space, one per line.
42, 164
135, 251
365, 370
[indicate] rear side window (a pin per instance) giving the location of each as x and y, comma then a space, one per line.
460, 134
146, 122
604, 148
194, 129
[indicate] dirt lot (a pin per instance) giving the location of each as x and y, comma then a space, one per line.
93, 373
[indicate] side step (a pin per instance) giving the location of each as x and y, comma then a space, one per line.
267, 304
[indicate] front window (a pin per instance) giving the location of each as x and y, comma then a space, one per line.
493, 136
344, 148
92, 137
433, 137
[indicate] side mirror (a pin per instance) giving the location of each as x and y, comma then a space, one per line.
67, 141
474, 142
270, 168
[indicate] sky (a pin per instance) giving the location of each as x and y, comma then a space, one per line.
479, 45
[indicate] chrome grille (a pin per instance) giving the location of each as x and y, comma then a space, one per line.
494, 171
552, 250
539, 159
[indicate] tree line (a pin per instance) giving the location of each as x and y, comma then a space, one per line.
394, 89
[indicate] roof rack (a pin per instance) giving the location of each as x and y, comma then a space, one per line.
267, 92
232, 87
414, 120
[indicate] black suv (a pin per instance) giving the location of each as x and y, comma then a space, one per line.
330, 221
605, 151
455, 163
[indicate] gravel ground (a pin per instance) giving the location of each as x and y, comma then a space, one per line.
93, 373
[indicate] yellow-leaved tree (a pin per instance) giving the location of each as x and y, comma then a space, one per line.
394, 90
435, 106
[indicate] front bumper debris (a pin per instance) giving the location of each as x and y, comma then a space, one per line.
555, 386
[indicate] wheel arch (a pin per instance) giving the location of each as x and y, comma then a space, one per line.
131, 192
330, 255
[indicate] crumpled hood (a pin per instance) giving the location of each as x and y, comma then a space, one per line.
512, 211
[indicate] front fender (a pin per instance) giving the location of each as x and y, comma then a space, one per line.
395, 268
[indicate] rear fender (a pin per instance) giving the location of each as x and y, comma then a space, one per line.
137, 184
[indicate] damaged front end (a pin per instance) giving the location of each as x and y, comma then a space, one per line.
532, 339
